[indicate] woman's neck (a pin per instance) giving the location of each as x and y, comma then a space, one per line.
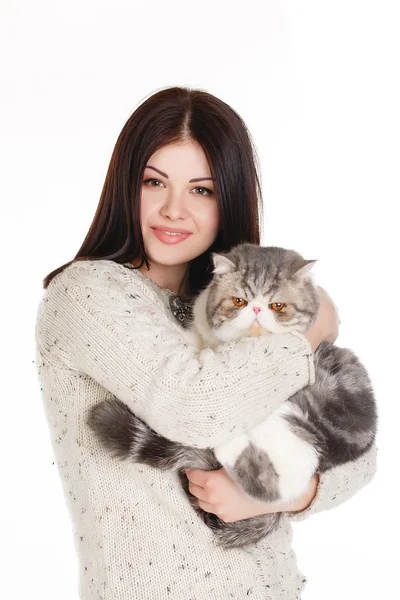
174, 278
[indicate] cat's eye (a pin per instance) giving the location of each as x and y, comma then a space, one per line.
239, 302
276, 306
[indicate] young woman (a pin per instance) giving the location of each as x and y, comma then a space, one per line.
183, 164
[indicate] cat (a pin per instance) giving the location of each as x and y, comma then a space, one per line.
319, 427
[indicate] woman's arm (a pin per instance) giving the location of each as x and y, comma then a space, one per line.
219, 494
101, 319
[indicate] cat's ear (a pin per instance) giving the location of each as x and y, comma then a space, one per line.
303, 267
222, 264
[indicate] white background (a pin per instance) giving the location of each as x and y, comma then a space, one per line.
318, 85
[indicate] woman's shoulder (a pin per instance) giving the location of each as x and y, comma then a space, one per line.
102, 284
105, 273
106, 290
96, 271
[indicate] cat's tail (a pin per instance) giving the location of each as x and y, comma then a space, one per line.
126, 437
241, 534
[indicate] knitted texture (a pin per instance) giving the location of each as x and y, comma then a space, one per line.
104, 330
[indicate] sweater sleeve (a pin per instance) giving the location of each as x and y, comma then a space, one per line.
124, 338
339, 484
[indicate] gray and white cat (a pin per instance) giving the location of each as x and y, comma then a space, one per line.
259, 290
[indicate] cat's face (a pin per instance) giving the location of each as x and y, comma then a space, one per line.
259, 289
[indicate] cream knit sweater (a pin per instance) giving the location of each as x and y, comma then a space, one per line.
104, 330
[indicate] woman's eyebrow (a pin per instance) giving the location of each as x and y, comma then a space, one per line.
190, 180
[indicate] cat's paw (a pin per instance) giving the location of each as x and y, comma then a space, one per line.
256, 475
294, 478
293, 458
228, 453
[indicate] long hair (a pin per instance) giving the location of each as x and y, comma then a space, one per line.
172, 115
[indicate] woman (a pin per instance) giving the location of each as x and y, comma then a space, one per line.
184, 164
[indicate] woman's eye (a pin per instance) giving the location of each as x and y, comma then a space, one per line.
204, 189
157, 180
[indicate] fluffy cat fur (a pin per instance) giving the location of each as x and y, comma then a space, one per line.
327, 424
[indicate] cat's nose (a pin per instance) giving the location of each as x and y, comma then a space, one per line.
256, 309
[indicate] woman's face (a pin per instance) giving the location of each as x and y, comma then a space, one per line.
170, 200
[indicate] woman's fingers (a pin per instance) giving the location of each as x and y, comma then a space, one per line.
197, 476
210, 508
197, 491
205, 479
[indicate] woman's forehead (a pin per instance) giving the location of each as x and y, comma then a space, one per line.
180, 157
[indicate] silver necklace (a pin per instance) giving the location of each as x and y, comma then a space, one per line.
182, 309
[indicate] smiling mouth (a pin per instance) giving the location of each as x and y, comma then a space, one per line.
169, 230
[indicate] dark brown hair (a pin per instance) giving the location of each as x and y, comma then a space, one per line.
172, 115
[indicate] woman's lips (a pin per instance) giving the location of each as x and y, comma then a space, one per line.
170, 239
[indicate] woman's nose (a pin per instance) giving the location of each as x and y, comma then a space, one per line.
175, 206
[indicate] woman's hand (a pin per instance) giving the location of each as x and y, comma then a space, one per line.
326, 326
217, 493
